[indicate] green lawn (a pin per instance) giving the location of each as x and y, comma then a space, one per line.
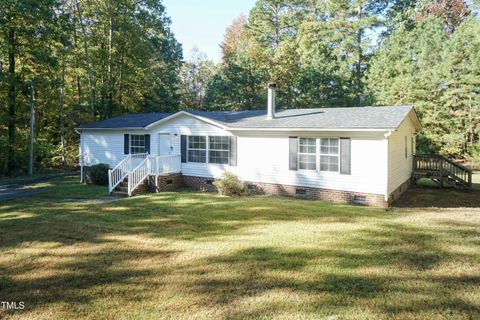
198, 255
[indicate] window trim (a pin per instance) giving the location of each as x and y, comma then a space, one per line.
207, 149
318, 155
132, 146
227, 150
307, 154
196, 149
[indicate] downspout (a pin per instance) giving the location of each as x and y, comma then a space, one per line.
387, 136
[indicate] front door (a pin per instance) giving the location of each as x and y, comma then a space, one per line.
164, 144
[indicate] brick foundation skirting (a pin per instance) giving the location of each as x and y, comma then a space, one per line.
169, 182
340, 196
399, 191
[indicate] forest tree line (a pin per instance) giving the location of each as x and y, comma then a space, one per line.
94, 59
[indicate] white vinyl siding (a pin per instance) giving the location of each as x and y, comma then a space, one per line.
261, 156
399, 158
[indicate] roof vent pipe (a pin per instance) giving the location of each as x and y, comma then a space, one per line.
271, 101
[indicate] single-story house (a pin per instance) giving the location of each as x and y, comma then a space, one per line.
360, 155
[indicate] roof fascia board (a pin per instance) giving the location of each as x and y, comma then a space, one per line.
111, 129
414, 117
313, 129
179, 113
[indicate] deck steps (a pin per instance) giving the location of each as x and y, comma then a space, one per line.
121, 189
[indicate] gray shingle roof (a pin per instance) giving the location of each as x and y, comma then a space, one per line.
386, 117
138, 120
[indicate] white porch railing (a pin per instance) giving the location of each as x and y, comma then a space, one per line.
137, 167
137, 175
123, 168
168, 164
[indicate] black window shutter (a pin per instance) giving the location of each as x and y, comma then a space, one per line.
183, 148
345, 155
233, 151
293, 151
147, 143
126, 144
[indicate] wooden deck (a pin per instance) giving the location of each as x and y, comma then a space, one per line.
442, 170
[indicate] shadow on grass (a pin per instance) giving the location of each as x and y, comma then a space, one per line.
384, 266
75, 276
179, 215
250, 274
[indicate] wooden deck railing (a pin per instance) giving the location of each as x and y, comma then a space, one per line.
441, 167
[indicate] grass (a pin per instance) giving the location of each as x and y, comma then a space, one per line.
198, 255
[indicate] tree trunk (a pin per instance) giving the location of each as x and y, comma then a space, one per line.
110, 85
358, 71
77, 64
87, 58
120, 81
62, 121
11, 100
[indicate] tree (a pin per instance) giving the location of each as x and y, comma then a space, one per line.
89, 60
196, 74
437, 71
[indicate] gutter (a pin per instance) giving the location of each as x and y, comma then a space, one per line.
256, 129
312, 129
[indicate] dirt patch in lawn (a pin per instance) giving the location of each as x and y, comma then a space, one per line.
423, 197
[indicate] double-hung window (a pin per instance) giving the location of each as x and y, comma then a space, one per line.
197, 149
218, 147
307, 154
137, 143
329, 154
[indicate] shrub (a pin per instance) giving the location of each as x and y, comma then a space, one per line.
98, 174
230, 185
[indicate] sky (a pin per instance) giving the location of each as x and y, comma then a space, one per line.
202, 23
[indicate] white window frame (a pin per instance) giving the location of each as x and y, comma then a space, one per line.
131, 146
196, 149
307, 154
227, 150
320, 154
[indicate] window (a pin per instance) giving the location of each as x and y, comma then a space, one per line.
406, 149
307, 154
329, 154
218, 148
413, 146
197, 149
137, 143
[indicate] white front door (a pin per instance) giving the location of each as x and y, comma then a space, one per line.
164, 144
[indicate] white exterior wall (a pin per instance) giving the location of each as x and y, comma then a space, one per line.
399, 166
263, 157
103, 146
